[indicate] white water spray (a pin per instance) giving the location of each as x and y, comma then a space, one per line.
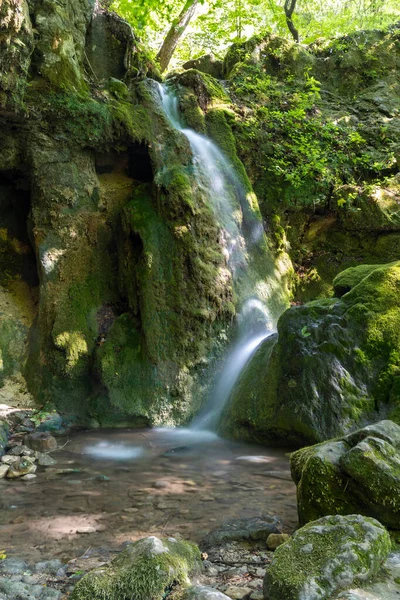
224, 189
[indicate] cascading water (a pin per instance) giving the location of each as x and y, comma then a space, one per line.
225, 191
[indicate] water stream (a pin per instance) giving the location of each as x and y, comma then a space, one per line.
219, 182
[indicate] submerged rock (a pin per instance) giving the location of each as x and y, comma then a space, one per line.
254, 528
326, 556
358, 473
334, 365
144, 571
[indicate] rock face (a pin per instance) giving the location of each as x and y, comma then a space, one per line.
358, 473
333, 367
143, 571
254, 528
119, 290
325, 557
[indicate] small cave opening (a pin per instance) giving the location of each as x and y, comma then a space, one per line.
139, 163
17, 255
135, 162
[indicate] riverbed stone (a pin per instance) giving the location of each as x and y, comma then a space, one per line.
41, 441
203, 592
326, 556
13, 566
359, 473
254, 528
144, 570
21, 450
24, 466
45, 460
3, 470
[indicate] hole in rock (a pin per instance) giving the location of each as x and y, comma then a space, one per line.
17, 256
139, 166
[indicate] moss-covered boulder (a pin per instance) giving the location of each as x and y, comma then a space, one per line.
326, 556
145, 570
358, 473
334, 366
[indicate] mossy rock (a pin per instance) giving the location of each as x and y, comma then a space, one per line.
358, 473
327, 556
145, 570
3, 435
334, 367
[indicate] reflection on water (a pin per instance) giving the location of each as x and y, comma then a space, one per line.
117, 485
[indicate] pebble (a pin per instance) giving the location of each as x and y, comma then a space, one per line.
238, 593
160, 484
45, 460
3, 470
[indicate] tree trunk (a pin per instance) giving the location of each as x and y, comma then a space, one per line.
289, 7
178, 28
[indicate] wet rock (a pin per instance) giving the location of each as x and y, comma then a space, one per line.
206, 64
145, 569
276, 539
9, 459
3, 470
40, 441
254, 528
28, 476
24, 466
21, 451
203, 592
161, 484
325, 556
45, 460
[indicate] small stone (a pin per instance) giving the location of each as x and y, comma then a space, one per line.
48, 566
276, 539
131, 510
258, 595
28, 476
45, 460
21, 451
3, 470
23, 466
238, 593
160, 484
9, 459
207, 499
40, 441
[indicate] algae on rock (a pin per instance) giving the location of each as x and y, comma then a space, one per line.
145, 570
358, 473
327, 556
333, 367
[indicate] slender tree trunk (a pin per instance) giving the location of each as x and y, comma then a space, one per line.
289, 7
178, 28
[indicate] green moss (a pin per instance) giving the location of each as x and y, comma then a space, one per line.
146, 570
325, 556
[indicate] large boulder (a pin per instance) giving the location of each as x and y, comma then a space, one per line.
326, 556
334, 366
358, 473
143, 571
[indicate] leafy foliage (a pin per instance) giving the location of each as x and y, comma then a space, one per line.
221, 22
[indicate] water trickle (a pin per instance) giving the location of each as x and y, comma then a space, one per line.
226, 193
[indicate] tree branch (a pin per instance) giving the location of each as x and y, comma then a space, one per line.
289, 7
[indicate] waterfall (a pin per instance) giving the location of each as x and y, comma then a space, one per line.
225, 192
